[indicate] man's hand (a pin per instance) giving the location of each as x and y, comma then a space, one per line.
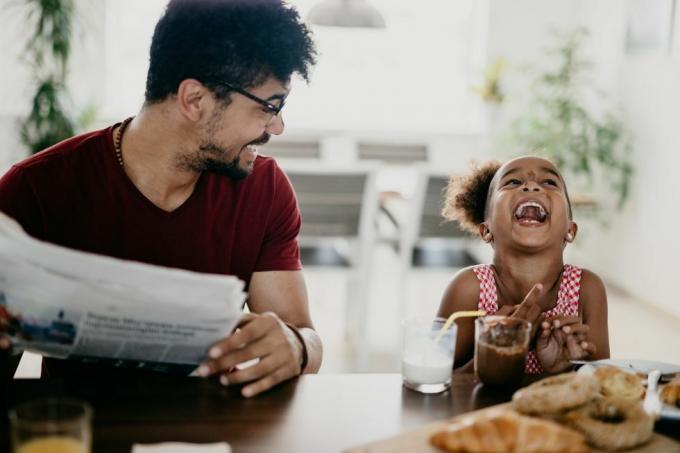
264, 338
562, 338
4, 339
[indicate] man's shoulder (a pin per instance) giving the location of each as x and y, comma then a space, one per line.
66, 151
267, 171
266, 165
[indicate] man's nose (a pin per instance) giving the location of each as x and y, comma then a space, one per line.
276, 125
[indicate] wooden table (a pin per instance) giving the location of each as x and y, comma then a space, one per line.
315, 413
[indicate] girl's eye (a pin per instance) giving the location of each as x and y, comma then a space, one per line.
512, 182
550, 182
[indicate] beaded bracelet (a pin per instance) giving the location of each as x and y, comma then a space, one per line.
305, 357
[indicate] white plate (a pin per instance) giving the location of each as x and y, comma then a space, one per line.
640, 366
669, 412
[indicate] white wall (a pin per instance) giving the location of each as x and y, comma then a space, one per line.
407, 83
13, 87
86, 80
639, 251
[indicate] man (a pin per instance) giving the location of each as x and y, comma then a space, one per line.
181, 184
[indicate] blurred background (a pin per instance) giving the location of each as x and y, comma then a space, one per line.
404, 94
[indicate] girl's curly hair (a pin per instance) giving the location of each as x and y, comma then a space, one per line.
466, 195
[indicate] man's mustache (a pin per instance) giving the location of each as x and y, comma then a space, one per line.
263, 139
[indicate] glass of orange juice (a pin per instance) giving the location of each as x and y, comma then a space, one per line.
51, 425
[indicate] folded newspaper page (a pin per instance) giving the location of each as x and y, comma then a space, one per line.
64, 303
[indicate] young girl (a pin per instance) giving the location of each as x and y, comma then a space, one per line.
522, 209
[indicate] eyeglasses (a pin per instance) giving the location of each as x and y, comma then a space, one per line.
272, 110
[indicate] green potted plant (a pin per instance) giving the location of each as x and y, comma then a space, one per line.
47, 52
557, 123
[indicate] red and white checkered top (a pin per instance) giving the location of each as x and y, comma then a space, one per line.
567, 300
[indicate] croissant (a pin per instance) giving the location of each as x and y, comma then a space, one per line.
505, 431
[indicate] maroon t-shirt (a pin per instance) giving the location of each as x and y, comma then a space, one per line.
77, 195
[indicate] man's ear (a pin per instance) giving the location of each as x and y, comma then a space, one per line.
193, 98
571, 232
485, 233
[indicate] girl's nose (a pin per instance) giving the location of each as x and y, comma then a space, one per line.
531, 186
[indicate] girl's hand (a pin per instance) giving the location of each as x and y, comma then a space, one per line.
507, 310
562, 338
530, 309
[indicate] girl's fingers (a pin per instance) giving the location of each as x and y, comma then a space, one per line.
564, 320
577, 329
574, 347
589, 347
506, 310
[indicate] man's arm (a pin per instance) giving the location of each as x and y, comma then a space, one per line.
278, 304
285, 294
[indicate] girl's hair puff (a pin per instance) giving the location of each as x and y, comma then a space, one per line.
466, 195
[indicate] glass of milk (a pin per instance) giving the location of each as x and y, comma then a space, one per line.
51, 425
427, 356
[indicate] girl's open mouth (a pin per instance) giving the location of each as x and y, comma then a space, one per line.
531, 213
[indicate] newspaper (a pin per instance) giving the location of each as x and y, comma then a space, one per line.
64, 303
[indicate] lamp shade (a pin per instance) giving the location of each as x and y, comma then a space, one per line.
346, 13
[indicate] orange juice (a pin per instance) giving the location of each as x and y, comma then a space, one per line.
53, 444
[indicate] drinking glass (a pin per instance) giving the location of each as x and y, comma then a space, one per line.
427, 354
501, 346
51, 425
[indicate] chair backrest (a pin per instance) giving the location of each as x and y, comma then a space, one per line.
426, 221
427, 233
432, 224
298, 149
393, 153
335, 202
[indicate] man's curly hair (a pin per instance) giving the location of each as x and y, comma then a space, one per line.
466, 196
242, 42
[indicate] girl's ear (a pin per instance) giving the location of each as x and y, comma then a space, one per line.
485, 233
571, 232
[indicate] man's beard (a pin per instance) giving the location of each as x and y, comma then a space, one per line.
231, 170
205, 161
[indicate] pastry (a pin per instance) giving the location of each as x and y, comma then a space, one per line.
612, 423
555, 394
670, 393
618, 383
505, 431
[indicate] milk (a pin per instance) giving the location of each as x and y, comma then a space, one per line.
427, 354
427, 367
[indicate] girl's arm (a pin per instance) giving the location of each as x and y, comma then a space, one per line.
462, 294
593, 306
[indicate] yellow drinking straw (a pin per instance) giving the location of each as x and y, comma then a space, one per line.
453, 317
